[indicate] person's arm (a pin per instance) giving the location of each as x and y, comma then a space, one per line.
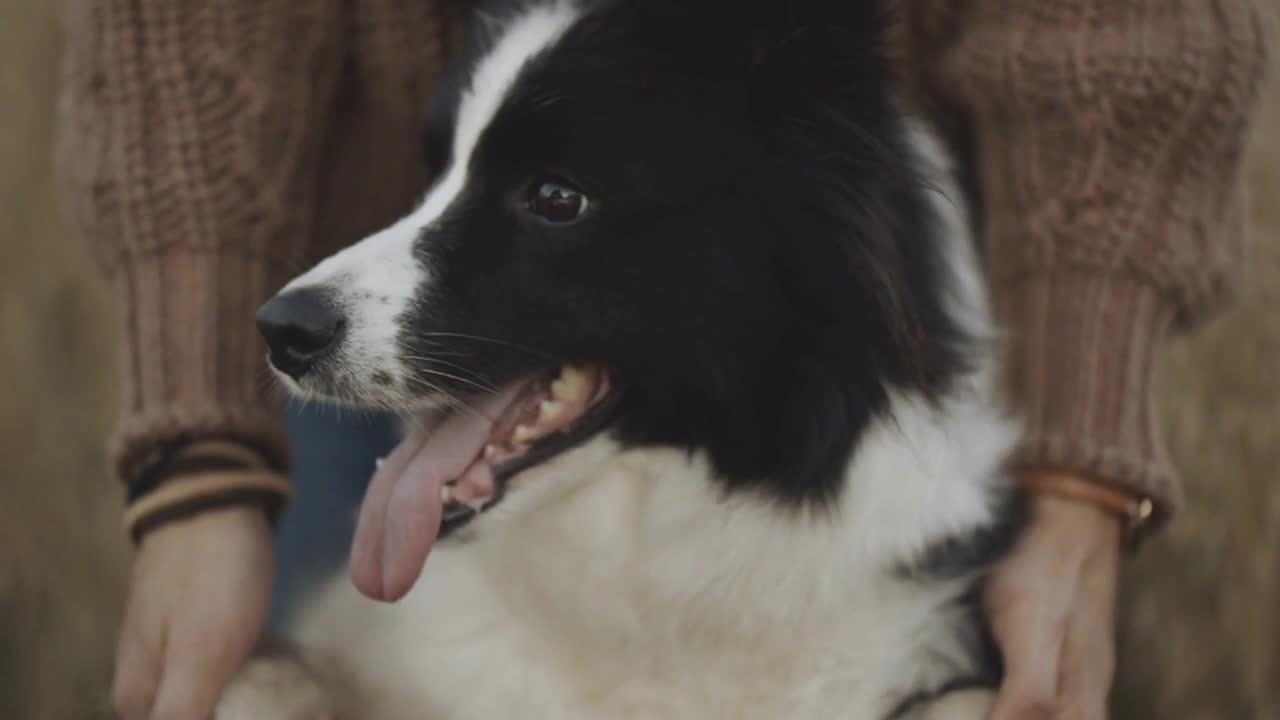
188, 147
1108, 137
189, 150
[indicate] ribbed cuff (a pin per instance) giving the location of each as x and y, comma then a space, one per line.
193, 364
184, 497
188, 478
140, 437
1081, 359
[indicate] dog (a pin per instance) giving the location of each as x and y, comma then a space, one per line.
703, 387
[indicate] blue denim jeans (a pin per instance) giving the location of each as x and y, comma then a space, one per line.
333, 458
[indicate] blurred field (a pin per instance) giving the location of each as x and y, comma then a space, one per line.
1201, 617
61, 558
1200, 629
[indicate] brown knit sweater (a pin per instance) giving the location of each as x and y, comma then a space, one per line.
212, 149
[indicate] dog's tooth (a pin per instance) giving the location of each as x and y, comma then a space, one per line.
446, 494
377, 464
549, 410
570, 386
524, 434
491, 453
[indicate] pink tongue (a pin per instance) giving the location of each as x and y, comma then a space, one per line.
401, 514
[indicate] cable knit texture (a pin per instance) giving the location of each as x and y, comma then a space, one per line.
213, 149
1108, 139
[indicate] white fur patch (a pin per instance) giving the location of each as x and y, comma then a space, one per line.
377, 280
966, 298
623, 585
276, 688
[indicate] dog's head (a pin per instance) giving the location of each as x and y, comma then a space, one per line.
706, 210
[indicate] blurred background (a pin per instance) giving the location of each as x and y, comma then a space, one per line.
1200, 616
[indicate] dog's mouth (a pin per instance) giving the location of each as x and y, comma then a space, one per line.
458, 464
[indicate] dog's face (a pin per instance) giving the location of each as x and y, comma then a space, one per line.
588, 215
577, 223
717, 220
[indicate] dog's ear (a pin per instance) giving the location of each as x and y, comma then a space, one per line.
822, 93
809, 53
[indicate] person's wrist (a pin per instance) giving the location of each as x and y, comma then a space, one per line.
182, 497
249, 517
1128, 513
1081, 519
202, 476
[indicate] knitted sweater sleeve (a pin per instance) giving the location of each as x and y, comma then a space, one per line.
189, 151
1108, 139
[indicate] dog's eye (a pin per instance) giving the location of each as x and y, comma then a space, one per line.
556, 201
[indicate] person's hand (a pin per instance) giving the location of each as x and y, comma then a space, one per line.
1052, 607
197, 604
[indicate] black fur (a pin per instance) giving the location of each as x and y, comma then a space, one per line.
758, 269
961, 556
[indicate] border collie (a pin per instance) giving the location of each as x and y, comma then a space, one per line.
702, 382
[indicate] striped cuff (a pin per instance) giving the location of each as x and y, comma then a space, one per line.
1081, 362
201, 476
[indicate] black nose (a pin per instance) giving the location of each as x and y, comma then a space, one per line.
299, 326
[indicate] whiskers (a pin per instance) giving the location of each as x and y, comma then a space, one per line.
407, 386
479, 338
470, 379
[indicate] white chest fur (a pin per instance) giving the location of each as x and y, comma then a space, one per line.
636, 591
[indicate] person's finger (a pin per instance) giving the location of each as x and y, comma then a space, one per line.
1027, 696
1088, 659
1086, 674
1030, 635
194, 675
137, 673
134, 686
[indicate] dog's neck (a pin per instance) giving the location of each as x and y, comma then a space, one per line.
917, 479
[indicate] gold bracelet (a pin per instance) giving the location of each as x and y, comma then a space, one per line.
1135, 511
